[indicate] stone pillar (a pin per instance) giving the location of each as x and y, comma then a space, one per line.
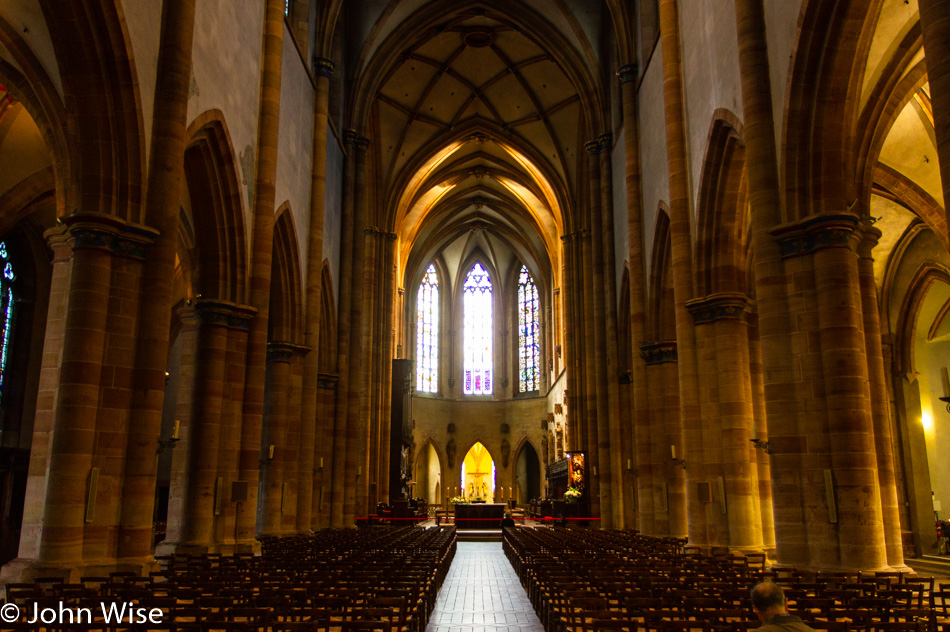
347, 239
262, 244
385, 349
184, 410
590, 439
879, 407
59, 241
368, 421
786, 440
573, 339
166, 163
682, 266
637, 286
730, 452
89, 399
615, 436
355, 474
313, 309
598, 273
666, 449
211, 436
826, 245
756, 394
276, 451
325, 452
935, 28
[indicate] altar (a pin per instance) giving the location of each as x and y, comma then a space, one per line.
479, 515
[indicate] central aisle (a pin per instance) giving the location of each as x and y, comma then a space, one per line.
481, 593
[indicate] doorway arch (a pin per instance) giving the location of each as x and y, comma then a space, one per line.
478, 473
527, 474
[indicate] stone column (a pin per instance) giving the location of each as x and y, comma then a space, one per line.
207, 434
274, 460
368, 429
637, 284
729, 444
828, 243
355, 474
572, 339
59, 241
781, 395
615, 436
325, 452
74, 429
879, 407
598, 272
347, 232
313, 309
669, 478
184, 411
590, 437
385, 348
166, 163
682, 266
756, 394
935, 27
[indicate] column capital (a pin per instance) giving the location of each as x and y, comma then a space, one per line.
323, 67
826, 230
870, 235
107, 232
224, 313
659, 352
594, 147
718, 306
628, 72
278, 351
59, 239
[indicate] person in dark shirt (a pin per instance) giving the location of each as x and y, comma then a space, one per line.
768, 601
507, 521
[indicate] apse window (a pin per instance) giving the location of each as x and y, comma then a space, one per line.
7, 314
529, 354
427, 332
477, 310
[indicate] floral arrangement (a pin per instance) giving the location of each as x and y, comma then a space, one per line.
459, 500
572, 495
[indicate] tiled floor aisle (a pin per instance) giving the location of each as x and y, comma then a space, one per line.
481, 593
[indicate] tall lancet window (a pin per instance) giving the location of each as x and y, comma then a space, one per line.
476, 306
6, 314
529, 352
427, 333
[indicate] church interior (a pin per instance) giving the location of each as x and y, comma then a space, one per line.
271, 268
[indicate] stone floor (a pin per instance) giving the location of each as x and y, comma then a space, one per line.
482, 593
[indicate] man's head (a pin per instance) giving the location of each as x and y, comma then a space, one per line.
768, 599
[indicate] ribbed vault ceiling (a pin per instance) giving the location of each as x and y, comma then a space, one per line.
478, 130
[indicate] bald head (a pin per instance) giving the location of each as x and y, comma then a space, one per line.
768, 599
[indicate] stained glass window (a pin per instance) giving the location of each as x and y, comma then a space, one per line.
476, 305
529, 351
6, 313
427, 332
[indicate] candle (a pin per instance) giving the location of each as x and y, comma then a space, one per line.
629, 464
946, 381
673, 451
178, 424
321, 462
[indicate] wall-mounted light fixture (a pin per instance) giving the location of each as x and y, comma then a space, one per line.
761, 445
171, 441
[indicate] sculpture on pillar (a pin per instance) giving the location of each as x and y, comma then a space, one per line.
450, 452
559, 442
505, 451
544, 450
